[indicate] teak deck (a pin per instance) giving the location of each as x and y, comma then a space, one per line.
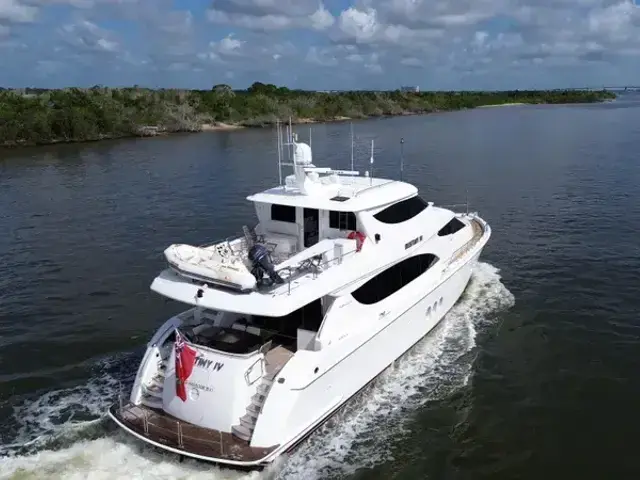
275, 359
478, 231
167, 430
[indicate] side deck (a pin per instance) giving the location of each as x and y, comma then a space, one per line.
478, 232
166, 431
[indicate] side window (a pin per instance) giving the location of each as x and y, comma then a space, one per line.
342, 220
401, 211
452, 227
393, 279
283, 213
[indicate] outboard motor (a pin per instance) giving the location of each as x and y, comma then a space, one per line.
261, 260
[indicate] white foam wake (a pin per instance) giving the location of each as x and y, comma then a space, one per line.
355, 438
60, 416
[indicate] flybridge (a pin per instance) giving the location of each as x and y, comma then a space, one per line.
307, 224
306, 176
326, 188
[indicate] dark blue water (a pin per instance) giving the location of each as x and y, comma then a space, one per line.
533, 374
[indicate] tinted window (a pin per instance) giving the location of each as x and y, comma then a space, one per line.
401, 211
342, 220
452, 227
393, 279
283, 213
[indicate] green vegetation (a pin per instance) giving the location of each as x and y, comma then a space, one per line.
31, 116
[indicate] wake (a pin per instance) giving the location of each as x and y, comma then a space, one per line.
356, 438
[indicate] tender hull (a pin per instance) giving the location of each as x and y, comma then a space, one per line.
214, 265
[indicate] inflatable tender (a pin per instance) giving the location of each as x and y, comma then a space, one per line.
216, 265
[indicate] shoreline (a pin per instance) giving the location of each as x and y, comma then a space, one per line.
147, 131
512, 104
219, 127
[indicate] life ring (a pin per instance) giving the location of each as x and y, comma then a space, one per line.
359, 237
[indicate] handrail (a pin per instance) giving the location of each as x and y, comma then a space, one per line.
248, 371
308, 264
229, 239
179, 429
477, 235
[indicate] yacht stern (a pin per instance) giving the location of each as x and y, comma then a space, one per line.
162, 430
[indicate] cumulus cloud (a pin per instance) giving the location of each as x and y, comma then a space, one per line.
17, 11
237, 55
271, 14
88, 36
446, 43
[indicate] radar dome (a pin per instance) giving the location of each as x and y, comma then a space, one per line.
302, 154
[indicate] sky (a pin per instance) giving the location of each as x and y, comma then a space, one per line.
320, 44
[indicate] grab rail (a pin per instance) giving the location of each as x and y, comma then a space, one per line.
310, 265
478, 232
250, 369
231, 239
168, 428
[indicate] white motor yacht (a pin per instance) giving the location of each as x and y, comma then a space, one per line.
342, 274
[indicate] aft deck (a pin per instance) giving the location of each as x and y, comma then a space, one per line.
166, 431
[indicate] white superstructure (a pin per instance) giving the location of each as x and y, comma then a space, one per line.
363, 269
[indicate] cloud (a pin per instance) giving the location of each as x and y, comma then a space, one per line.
444, 44
14, 11
87, 36
228, 46
271, 14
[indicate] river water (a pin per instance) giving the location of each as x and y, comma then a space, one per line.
533, 374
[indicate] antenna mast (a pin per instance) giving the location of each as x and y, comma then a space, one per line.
401, 158
371, 162
351, 146
290, 141
279, 140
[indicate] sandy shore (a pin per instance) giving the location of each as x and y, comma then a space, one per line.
218, 126
515, 104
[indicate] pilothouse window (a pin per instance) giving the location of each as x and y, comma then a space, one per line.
394, 278
342, 220
452, 227
401, 211
283, 213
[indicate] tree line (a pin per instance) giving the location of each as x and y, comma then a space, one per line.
41, 116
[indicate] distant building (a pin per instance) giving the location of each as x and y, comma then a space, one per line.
415, 89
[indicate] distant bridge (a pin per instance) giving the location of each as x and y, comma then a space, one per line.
623, 88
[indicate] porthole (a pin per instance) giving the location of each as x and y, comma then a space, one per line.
435, 305
440, 300
428, 311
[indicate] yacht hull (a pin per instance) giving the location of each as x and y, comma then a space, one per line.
331, 389
329, 392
